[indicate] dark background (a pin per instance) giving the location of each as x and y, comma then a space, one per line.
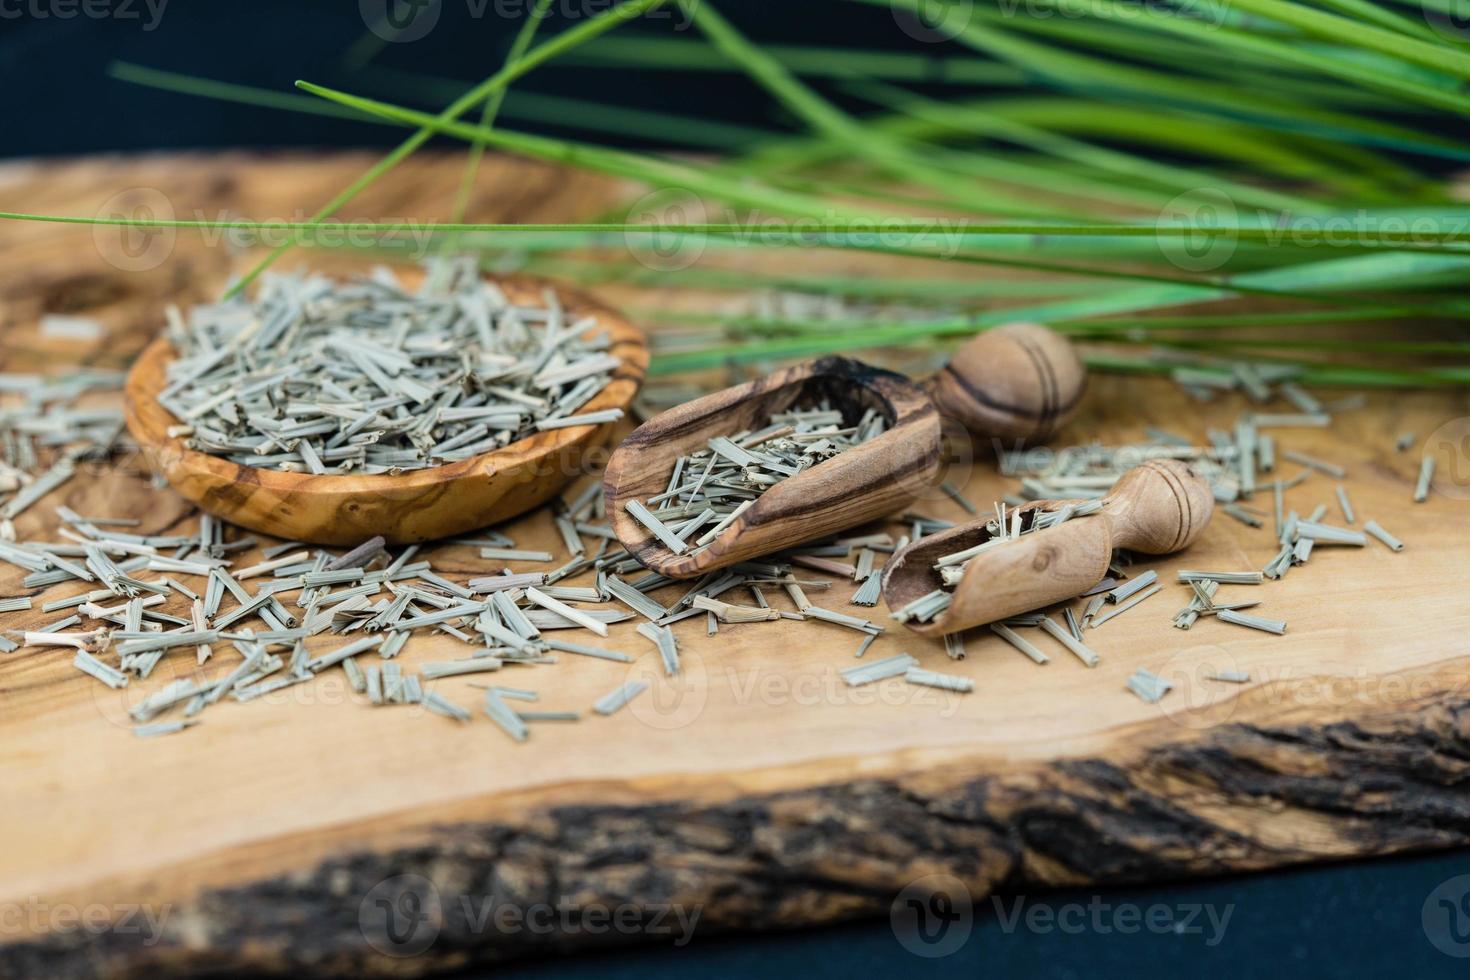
1351, 920
59, 98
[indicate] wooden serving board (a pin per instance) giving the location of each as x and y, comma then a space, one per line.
758, 790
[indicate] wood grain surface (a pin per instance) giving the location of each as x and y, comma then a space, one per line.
757, 789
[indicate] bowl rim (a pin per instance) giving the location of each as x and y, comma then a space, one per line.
148, 420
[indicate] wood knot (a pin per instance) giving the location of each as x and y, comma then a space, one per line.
1043, 559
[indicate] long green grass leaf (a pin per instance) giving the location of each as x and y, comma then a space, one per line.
580, 34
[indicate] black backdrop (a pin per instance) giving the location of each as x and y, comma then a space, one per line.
59, 99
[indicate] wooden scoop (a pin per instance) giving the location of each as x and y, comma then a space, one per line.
1155, 508
1018, 382
419, 505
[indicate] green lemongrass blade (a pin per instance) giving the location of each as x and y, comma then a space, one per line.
1350, 65
370, 43
1195, 55
519, 104
739, 325
814, 233
621, 120
580, 34
1158, 289
208, 88
870, 287
1435, 54
1229, 139
617, 162
827, 119
678, 54
574, 113
535, 106
1356, 272
1049, 175
750, 352
1254, 143
1383, 17
1369, 346
1200, 52
1079, 71
1130, 165
639, 167
1044, 175
1250, 321
1195, 136
1325, 375
492, 107
736, 191
1287, 52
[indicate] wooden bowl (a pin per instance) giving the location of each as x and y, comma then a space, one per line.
861, 484
418, 505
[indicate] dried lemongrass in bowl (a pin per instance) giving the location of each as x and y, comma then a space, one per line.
366, 376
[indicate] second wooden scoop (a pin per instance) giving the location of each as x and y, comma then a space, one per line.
1155, 508
1013, 383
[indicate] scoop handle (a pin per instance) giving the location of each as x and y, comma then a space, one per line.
1019, 383
1155, 508
1159, 507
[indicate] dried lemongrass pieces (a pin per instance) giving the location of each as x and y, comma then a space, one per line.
709, 489
365, 376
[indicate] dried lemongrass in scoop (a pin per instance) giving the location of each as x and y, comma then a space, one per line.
712, 487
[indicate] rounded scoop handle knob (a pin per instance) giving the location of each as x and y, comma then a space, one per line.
1018, 382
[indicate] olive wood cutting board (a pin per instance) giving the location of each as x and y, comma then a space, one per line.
757, 790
